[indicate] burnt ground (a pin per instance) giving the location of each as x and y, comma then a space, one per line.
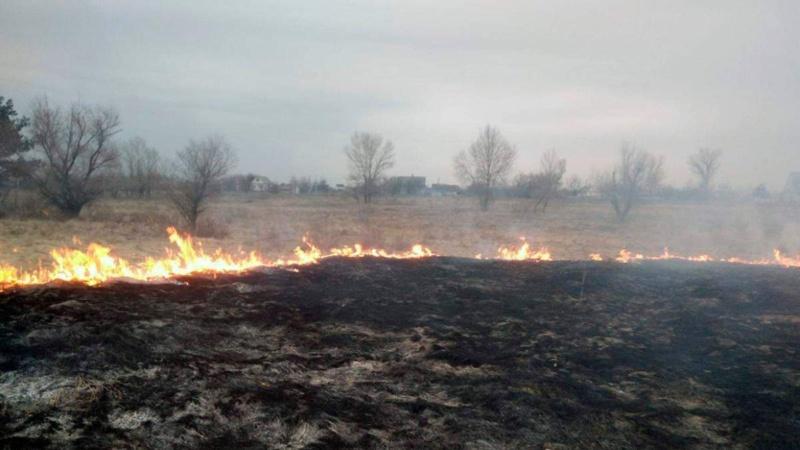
432, 353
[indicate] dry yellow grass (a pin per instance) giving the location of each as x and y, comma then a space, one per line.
452, 226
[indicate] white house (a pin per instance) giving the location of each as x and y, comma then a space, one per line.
259, 184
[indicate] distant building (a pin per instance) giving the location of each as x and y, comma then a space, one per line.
406, 185
445, 190
245, 183
259, 184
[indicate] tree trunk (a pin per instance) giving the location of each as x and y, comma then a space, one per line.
193, 223
485, 200
71, 210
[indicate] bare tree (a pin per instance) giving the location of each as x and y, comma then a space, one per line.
77, 147
369, 157
486, 163
141, 167
705, 164
304, 185
246, 183
198, 169
637, 172
575, 186
543, 186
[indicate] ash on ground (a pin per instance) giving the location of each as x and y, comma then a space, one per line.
434, 353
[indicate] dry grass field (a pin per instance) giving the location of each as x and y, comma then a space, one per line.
274, 225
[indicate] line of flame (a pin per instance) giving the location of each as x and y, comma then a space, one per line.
522, 253
778, 258
97, 265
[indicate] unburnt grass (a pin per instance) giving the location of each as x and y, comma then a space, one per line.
434, 353
275, 225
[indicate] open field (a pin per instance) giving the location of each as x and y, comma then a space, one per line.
431, 353
450, 226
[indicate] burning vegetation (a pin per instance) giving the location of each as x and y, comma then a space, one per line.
96, 264
408, 316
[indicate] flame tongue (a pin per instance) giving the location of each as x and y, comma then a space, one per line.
523, 253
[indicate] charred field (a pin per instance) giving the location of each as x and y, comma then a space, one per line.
430, 353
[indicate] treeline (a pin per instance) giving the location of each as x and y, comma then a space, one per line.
487, 165
71, 156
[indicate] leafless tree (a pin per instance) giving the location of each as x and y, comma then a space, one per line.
141, 167
304, 185
369, 157
636, 172
576, 186
486, 163
705, 164
246, 183
77, 148
548, 181
197, 170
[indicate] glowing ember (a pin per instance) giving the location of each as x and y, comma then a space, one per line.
97, 265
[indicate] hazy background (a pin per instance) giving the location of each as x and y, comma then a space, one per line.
288, 82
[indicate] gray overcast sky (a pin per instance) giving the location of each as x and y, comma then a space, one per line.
288, 82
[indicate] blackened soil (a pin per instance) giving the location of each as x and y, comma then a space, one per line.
435, 353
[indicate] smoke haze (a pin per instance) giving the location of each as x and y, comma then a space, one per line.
287, 83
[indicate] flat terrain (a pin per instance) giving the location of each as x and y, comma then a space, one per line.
274, 225
433, 353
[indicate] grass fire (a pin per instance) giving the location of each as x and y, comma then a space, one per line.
323, 348
96, 264
438, 351
431, 225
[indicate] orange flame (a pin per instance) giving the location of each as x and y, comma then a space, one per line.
357, 251
778, 259
523, 253
96, 264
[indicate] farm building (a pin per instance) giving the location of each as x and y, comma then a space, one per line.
406, 185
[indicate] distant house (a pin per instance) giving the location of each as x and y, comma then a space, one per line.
792, 188
445, 190
406, 185
245, 183
259, 184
